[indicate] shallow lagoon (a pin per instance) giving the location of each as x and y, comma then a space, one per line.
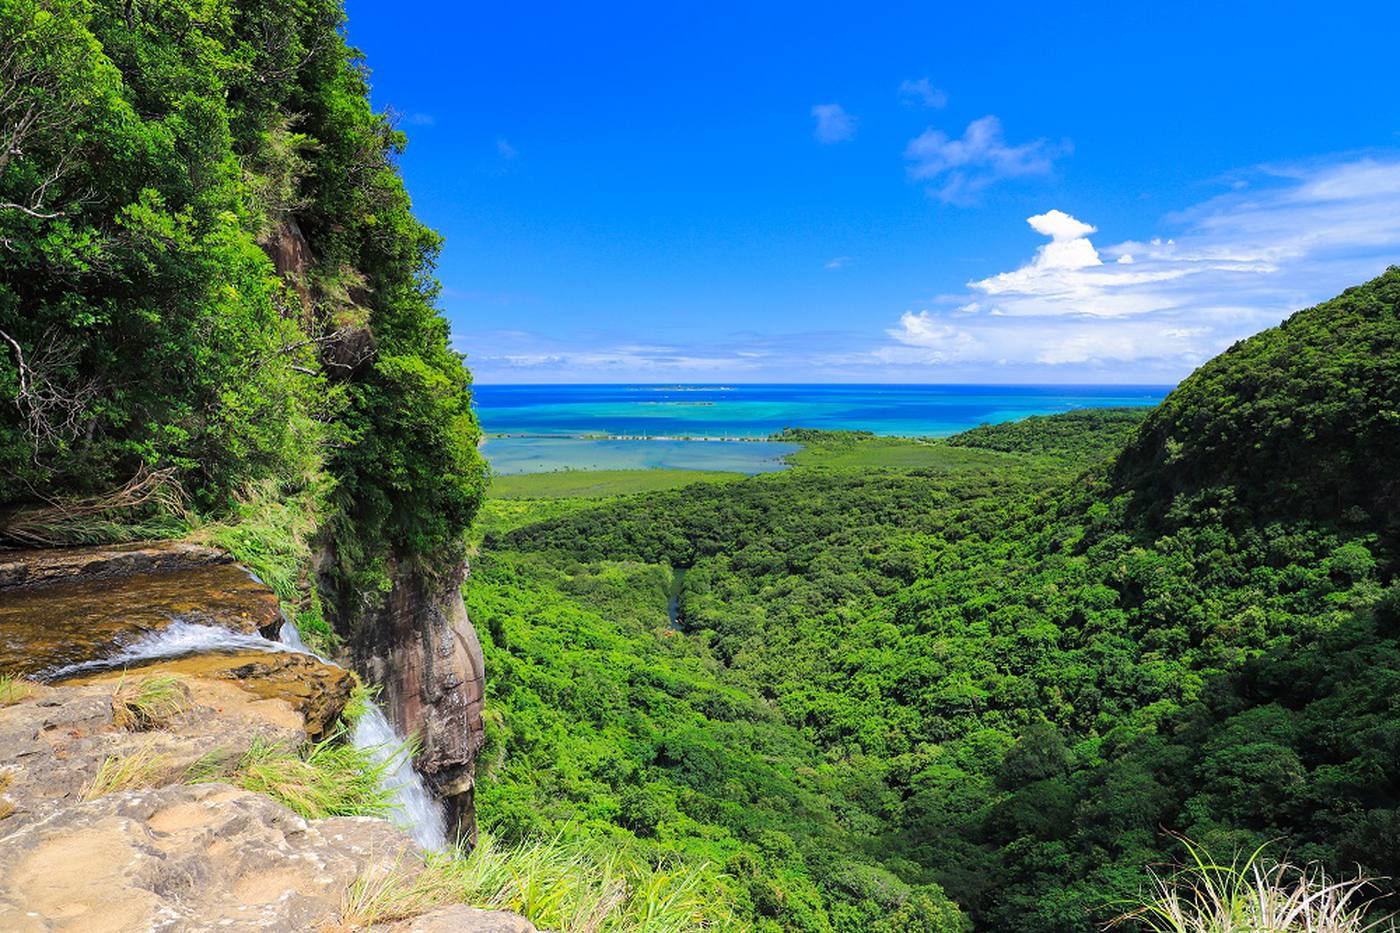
513, 455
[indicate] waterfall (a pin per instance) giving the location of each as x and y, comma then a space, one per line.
415, 810
176, 640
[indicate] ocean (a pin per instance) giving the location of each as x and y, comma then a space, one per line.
713, 427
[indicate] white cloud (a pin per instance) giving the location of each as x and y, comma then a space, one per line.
505, 150
1240, 262
923, 92
840, 262
834, 124
960, 169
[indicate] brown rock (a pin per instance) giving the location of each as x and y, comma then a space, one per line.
315, 689
420, 646
53, 743
40, 566
85, 604
187, 857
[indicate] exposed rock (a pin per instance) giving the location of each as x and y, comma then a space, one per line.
457, 918
39, 566
291, 256
420, 646
190, 858
75, 605
316, 690
53, 743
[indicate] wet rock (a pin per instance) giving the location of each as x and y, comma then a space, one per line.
76, 605
420, 646
316, 690
40, 566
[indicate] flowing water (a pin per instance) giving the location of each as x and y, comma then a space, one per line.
414, 808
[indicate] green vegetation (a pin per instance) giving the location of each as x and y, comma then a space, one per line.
145, 767
600, 483
215, 293
1249, 896
991, 669
150, 703
15, 689
559, 884
327, 778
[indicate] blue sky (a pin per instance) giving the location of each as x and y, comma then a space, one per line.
816, 192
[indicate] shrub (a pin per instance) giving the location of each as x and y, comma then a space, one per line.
1254, 896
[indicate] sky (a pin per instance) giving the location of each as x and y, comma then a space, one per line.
1054, 192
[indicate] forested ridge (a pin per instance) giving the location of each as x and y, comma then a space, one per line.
996, 684
214, 296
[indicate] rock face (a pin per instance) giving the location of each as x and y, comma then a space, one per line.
53, 744
420, 646
316, 691
70, 605
203, 857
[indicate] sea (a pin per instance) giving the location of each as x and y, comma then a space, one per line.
539, 428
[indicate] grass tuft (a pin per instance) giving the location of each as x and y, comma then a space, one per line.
329, 778
15, 689
568, 886
151, 703
143, 768
1250, 895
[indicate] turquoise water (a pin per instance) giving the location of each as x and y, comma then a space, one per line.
656, 419
546, 454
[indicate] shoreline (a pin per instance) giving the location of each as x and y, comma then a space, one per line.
635, 437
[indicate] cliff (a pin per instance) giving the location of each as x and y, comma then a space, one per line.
158, 772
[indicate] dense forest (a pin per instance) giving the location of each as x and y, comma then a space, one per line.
993, 672
213, 292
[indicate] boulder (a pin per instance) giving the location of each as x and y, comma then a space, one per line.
53, 743
314, 689
198, 857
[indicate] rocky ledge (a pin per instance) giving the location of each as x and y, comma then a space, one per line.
166, 846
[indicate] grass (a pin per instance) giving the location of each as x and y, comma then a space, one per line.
143, 768
7, 806
567, 886
329, 778
270, 534
845, 451
15, 689
592, 484
151, 703
1251, 895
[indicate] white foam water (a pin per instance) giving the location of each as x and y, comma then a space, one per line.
415, 810
177, 639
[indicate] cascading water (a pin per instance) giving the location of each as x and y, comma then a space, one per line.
177, 639
414, 808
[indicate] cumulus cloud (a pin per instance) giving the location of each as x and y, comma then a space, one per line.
1238, 263
834, 124
958, 170
923, 92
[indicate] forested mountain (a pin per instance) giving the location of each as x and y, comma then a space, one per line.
212, 285
1004, 678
